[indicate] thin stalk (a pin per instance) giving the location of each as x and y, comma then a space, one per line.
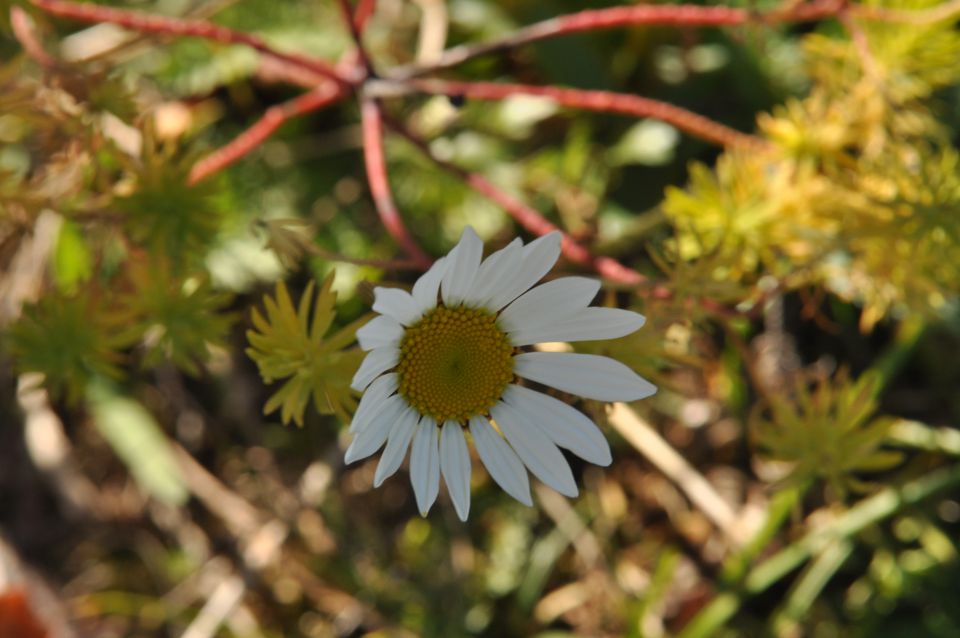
373, 156
324, 95
603, 101
682, 15
145, 23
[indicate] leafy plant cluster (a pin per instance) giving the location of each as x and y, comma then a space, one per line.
119, 274
859, 192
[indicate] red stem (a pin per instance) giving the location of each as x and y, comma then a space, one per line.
362, 14
373, 156
627, 16
145, 23
324, 95
604, 101
534, 222
687, 15
362, 61
527, 216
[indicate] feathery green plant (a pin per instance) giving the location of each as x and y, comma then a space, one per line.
827, 431
289, 343
164, 212
71, 340
180, 318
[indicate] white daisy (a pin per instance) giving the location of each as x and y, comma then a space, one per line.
449, 357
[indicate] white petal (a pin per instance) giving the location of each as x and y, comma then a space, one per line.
455, 465
395, 303
369, 439
426, 288
462, 264
539, 256
495, 269
397, 445
586, 375
373, 397
535, 448
379, 332
586, 325
567, 427
425, 465
503, 464
374, 364
548, 303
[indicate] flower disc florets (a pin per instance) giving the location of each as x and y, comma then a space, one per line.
454, 363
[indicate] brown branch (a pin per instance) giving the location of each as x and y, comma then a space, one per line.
604, 101
145, 23
25, 31
373, 156
324, 95
613, 17
525, 215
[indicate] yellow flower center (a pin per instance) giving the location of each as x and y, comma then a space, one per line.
454, 363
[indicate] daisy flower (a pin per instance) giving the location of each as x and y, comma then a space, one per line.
451, 357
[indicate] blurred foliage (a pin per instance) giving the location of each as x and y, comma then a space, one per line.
809, 264
165, 214
180, 319
70, 341
827, 432
137, 438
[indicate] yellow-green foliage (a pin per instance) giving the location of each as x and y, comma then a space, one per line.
289, 343
859, 191
827, 431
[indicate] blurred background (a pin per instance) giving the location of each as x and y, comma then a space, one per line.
796, 475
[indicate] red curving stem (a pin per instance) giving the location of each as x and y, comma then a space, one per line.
604, 101
145, 23
362, 13
373, 156
324, 95
680, 15
526, 216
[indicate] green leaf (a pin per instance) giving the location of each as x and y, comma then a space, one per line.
138, 440
72, 261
